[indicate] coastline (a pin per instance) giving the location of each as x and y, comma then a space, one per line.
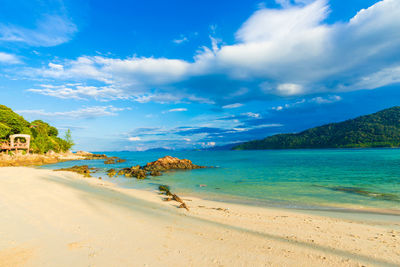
62, 218
29, 160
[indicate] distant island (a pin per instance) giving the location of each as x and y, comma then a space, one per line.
381, 129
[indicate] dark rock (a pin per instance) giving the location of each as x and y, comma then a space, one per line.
154, 168
90, 156
109, 161
170, 163
84, 170
134, 171
111, 172
155, 173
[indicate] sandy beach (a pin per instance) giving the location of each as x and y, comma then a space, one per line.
62, 219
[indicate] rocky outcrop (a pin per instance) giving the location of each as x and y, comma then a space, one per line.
111, 172
134, 171
109, 161
84, 170
114, 160
83, 153
171, 163
156, 168
89, 156
36, 159
155, 173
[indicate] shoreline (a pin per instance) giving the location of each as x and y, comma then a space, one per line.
66, 219
312, 207
33, 159
327, 207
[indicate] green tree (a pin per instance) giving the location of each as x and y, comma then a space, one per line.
68, 139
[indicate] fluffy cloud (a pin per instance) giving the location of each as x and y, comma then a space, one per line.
177, 110
180, 40
79, 91
236, 105
134, 139
84, 113
50, 30
319, 100
286, 52
6, 58
326, 100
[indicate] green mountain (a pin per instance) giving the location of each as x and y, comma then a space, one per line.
381, 129
44, 136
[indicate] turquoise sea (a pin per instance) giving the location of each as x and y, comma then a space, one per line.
306, 179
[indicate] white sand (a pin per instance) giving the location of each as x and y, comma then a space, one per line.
61, 219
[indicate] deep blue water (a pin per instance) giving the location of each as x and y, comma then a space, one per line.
289, 178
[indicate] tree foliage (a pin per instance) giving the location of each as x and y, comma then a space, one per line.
44, 136
68, 138
15, 122
381, 129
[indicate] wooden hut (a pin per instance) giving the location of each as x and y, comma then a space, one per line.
17, 142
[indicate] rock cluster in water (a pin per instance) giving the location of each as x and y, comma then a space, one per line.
91, 156
155, 168
84, 170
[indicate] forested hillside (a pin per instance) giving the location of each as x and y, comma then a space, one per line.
381, 129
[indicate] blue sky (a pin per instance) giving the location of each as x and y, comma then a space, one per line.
134, 75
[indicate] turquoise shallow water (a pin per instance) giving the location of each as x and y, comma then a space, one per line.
284, 178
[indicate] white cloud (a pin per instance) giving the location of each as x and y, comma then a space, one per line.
236, 105
287, 3
6, 58
285, 52
134, 138
252, 115
56, 66
176, 110
50, 30
207, 144
327, 100
380, 78
289, 89
278, 108
83, 113
79, 91
320, 100
181, 39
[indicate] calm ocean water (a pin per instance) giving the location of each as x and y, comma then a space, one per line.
284, 178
